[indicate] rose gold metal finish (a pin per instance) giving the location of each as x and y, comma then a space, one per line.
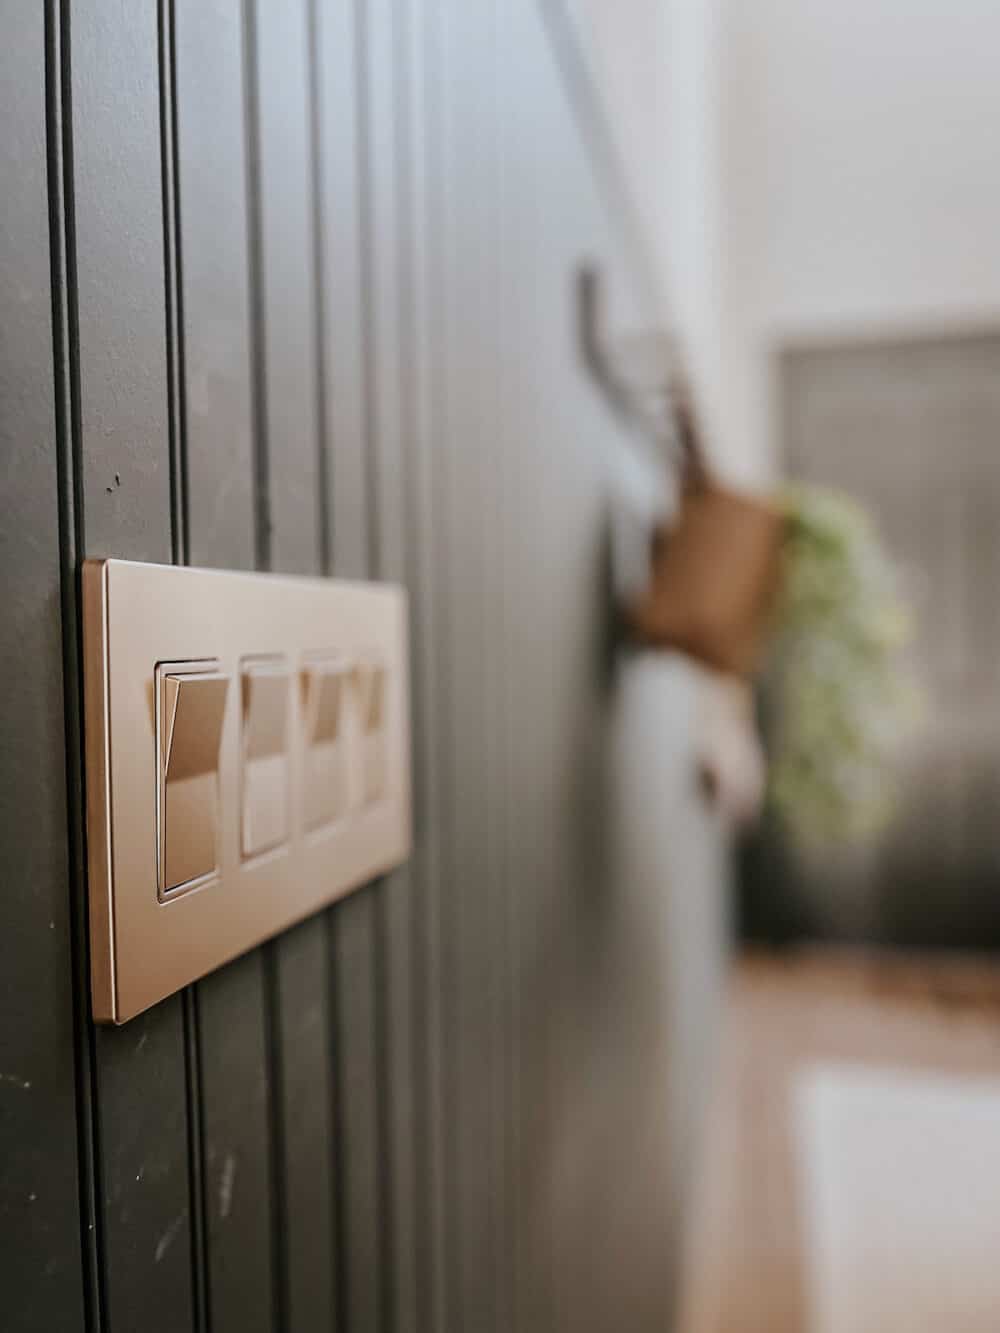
247, 752
326, 740
265, 754
191, 701
370, 683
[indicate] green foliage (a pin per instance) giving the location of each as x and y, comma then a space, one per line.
842, 696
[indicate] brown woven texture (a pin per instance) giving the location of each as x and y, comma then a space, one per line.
714, 577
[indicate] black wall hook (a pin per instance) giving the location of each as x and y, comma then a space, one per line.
657, 403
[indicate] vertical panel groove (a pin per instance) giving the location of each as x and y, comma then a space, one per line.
348, 939
262, 549
355, 929
338, 1198
285, 201
427, 795
122, 443
173, 288
59, 147
279, 1204
409, 138
225, 1016
387, 1256
506, 39
180, 547
326, 548
262, 507
403, 108
196, 1162
370, 498
319, 301
439, 564
492, 647
497, 632
380, 241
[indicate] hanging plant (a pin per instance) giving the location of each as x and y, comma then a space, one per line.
838, 688
805, 577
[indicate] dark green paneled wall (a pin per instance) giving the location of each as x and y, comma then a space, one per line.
289, 286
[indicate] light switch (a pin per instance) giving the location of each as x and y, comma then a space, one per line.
264, 686
267, 772
191, 705
326, 789
370, 683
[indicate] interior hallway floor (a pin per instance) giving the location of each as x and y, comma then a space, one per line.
851, 1179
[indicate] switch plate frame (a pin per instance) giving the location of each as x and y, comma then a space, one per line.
145, 946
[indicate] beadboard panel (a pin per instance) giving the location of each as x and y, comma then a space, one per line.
301, 297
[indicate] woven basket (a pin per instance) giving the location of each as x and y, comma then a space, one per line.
714, 572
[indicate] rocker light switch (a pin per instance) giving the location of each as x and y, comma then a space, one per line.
247, 739
370, 682
265, 755
191, 705
324, 717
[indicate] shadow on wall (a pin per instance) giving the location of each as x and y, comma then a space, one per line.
632, 1002
649, 963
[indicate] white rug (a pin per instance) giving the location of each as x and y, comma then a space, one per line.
899, 1188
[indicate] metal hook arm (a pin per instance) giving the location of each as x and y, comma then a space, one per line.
661, 411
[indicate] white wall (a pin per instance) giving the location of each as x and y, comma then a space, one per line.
657, 64
805, 167
862, 177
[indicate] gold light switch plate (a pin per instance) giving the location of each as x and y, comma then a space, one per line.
247, 762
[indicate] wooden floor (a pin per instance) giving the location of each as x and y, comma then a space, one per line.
745, 1264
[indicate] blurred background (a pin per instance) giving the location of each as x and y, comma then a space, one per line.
817, 188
